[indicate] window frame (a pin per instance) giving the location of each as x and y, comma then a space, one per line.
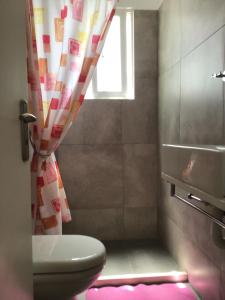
125, 94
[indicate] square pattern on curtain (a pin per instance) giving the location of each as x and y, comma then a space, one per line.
65, 39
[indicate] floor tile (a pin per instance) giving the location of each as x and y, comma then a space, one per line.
141, 261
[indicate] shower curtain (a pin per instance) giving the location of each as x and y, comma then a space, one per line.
65, 39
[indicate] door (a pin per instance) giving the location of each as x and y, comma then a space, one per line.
15, 216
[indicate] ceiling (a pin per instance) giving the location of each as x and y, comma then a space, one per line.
141, 4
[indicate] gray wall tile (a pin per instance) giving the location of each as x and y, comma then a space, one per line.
169, 34
140, 223
202, 97
208, 283
146, 44
103, 122
104, 224
181, 215
169, 112
202, 273
172, 207
75, 135
140, 175
92, 175
139, 116
148, 257
201, 114
91, 157
98, 122
200, 19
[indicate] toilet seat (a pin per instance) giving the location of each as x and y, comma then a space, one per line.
66, 254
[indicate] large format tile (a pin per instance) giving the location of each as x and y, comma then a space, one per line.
98, 122
149, 257
169, 34
171, 206
104, 224
103, 122
140, 223
204, 237
169, 103
203, 274
92, 175
146, 44
187, 233
138, 257
139, 116
140, 175
138, 261
201, 96
188, 219
75, 134
185, 217
200, 19
117, 260
91, 155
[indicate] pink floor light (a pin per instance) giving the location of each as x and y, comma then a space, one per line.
175, 291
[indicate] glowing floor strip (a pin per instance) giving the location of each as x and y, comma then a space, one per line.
174, 276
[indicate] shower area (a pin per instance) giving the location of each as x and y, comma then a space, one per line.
109, 164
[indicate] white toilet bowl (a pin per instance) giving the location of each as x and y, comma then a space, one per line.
64, 266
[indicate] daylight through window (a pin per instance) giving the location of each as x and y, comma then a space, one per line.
114, 75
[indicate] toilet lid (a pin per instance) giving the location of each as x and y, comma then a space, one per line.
66, 253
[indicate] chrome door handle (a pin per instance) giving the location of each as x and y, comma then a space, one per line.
25, 119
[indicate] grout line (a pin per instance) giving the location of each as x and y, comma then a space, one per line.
114, 208
129, 256
107, 144
223, 138
180, 76
158, 143
182, 57
180, 102
123, 172
202, 42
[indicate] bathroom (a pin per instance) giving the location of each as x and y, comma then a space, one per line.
112, 158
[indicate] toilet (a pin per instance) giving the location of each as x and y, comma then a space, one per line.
66, 265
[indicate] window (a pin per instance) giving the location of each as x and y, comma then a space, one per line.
114, 74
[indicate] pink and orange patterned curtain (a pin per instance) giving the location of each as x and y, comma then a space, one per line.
65, 39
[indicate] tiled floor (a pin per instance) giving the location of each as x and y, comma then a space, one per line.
133, 262
136, 262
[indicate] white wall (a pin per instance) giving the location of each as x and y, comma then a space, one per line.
141, 4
